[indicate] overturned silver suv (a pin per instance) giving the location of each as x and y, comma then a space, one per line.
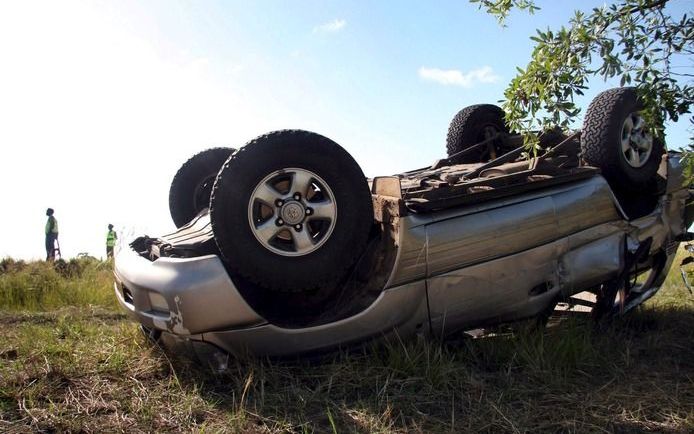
284, 246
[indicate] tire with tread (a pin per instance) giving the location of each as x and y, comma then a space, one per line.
602, 134
467, 129
232, 196
192, 185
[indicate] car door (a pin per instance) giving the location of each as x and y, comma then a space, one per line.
503, 261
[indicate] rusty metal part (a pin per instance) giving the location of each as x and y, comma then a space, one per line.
440, 187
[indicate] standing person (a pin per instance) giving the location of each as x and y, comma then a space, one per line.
51, 235
111, 238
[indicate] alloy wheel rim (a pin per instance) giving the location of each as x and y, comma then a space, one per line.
292, 212
636, 141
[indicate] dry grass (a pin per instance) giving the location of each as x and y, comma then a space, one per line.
39, 286
89, 369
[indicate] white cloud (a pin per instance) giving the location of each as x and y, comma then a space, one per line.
455, 77
330, 27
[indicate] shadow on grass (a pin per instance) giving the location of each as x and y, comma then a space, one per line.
634, 376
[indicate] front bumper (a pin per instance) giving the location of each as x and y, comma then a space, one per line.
194, 299
184, 296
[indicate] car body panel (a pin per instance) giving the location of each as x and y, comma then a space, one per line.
450, 239
503, 230
592, 256
401, 310
495, 290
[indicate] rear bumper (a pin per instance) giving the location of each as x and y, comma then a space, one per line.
184, 296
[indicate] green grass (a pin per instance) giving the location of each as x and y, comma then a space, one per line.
39, 286
87, 368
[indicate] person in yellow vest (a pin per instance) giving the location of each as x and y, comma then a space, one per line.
111, 238
51, 234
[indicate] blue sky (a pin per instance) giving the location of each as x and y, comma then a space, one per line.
100, 102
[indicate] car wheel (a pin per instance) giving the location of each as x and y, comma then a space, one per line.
191, 187
472, 125
291, 211
616, 139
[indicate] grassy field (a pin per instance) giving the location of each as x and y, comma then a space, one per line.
70, 361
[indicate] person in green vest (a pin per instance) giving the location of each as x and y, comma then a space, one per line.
51, 234
111, 238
